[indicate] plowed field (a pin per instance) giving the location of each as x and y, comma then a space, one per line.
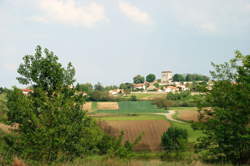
188, 115
107, 106
152, 131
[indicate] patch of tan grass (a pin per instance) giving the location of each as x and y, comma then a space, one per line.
107, 106
87, 106
7, 128
188, 115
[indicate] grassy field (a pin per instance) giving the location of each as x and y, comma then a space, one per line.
104, 161
145, 96
134, 107
192, 134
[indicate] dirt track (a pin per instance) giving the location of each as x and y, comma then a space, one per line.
169, 116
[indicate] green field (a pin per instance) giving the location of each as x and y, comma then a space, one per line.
134, 107
192, 134
145, 96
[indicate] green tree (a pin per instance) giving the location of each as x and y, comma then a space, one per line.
178, 77
196, 77
111, 87
150, 78
138, 79
226, 123
174, 139
52, 124
127, 87
98, 87
157, 85
199, 86
87, 87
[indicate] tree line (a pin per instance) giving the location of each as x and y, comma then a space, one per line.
190, 77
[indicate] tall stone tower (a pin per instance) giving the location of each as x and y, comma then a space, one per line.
166, 76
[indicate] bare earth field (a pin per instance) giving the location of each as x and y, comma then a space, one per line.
152, 131
107, 106
188, 115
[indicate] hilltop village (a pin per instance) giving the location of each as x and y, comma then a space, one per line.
168, 82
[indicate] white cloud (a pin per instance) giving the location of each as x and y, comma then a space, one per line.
134, 13
69, 12
211, 15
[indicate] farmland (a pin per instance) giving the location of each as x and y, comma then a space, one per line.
188, 115
151, 131
146, 96
136, 107
107, 106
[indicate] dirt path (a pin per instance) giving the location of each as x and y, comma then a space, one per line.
169, 116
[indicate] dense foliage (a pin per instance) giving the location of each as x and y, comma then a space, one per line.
226, 122
190, 77
150, 78
3, 108
127, 87
87, 87
138, 79
174, 139
178, 96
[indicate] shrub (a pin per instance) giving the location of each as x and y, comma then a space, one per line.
100, 96
178, 96
174, 139
133, 98
163, 103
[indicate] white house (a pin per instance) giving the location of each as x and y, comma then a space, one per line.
171, 89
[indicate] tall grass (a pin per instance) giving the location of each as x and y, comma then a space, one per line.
134, 162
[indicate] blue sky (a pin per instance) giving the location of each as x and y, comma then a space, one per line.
113, 40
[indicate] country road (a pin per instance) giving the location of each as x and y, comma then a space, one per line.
169, 116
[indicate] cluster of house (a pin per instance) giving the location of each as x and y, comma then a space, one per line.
165, 84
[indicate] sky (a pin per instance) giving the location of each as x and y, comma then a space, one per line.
111, 41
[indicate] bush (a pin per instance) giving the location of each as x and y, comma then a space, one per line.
100, 96
163, 103
133, 98
174, 139
178, 96
3, 108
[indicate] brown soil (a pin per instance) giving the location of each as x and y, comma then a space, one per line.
152, 131
107, 106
